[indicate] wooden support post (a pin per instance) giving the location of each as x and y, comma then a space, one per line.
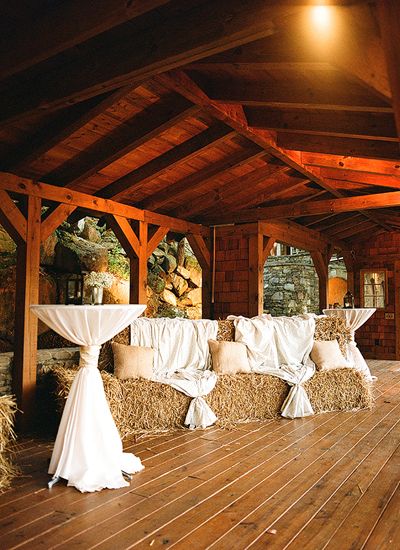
12, 218
27, 292
201, 247
138, 271
320, 260
256, 274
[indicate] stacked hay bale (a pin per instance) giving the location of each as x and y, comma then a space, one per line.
8, 409
141, 406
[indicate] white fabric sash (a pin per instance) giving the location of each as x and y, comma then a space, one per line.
196, 385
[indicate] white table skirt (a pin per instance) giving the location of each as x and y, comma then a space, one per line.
355, 318
88, 449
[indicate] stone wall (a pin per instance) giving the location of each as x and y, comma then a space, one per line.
291, 284
65, 357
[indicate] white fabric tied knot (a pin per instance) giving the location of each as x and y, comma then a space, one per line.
195, 384
89, 356
200, 414
297, 403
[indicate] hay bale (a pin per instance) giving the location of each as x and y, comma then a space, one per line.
226, 331
246, 397
332, 328
8, 471
339, 390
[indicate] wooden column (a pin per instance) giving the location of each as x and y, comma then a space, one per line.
138, 272
27, 293
320, 260
201, 247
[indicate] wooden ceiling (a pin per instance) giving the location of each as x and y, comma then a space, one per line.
214, 112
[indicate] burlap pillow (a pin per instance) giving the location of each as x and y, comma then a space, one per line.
228, 357
327, 355
132, 361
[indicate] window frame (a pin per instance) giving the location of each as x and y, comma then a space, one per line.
362, 286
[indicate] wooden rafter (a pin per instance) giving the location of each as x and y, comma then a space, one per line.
177, 192
57, 29
125, 58
324, 122
234, 117
345, 162
294, 94
136, 179
380, 180
140, 128
230, 190
66, 123
375, 149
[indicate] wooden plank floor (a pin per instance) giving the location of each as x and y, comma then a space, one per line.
329, 481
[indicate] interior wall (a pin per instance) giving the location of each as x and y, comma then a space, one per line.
379, 336
231, 287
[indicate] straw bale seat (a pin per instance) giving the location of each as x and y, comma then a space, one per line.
8, 409
141, 406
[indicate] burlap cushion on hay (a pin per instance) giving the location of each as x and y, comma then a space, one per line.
141, 406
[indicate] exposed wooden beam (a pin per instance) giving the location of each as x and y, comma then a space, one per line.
12, 218
59, 129
340, 146
389, 22
54, 219
174, 36
294, 234
336, 123
355, 229
24, 186
347, 204
320, 260
201, 246
61, 26
123, 139
321, 95
234, 116
183, 152
268, 243
272, 191
361, 177
345, 162
176, 192
229, 191
125, 234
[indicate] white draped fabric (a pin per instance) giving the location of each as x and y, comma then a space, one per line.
196, 385
181, 359
355, 318
88, 449
179, 344
287, 343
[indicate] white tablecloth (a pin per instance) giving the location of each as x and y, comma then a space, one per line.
355, 318
88, 449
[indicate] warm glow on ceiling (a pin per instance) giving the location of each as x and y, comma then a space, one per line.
321, 17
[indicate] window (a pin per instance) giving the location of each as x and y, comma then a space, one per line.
373, 288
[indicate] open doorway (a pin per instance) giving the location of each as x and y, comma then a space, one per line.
290, 282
